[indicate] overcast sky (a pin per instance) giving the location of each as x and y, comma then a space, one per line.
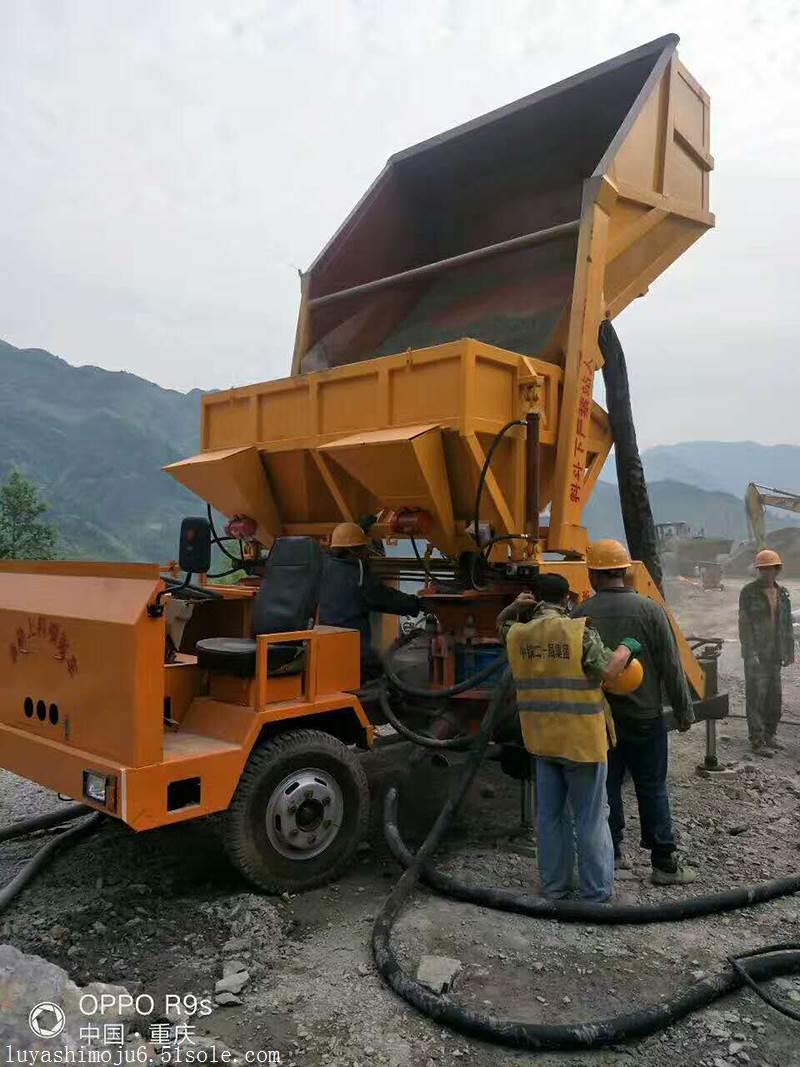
167, 165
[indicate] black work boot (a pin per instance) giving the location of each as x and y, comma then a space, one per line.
760, 749
773, 743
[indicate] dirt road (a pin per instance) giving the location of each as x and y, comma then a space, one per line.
161, 912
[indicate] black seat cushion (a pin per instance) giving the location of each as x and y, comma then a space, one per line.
289, 593
237, 655
286, 601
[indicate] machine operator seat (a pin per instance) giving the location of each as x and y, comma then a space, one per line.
287, 600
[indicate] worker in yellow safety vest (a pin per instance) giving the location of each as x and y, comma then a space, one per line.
559, 665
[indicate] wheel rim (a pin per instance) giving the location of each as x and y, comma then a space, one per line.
304, 813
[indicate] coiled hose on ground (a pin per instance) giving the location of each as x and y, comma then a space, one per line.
747, 969
48, 851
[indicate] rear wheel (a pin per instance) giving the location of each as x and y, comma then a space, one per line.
300, 809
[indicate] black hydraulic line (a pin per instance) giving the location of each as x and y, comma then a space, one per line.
503, 537
473, 565
43, 822
434, 694
218, 540
47, 852
224, 574
422, 562
450, 690
498, 437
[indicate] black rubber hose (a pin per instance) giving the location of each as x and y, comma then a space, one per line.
634, 500
385, 959
767, 963
45, 854
422, 562
581, 911
435, 694
504, 537
438, 694
738, 964
218, 540
498, 437
595, 1034
457, 744
43, 822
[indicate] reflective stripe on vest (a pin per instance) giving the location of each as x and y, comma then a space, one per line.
562, 712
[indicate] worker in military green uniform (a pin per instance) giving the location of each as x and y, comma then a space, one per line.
767, 643
558, 666
642, 750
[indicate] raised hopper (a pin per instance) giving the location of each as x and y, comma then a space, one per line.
519, 231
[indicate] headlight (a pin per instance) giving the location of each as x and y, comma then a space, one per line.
100, 788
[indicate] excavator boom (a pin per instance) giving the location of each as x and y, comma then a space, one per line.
759, 497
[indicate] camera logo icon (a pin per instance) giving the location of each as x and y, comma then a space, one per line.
47, 1019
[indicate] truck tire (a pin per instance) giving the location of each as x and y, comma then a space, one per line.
300, 810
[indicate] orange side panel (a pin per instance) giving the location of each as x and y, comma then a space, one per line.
339, 662
183, 681
82, 661
49, 762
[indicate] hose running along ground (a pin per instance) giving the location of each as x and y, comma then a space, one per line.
748, 969
44, 822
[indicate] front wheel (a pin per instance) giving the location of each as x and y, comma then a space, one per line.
300, 809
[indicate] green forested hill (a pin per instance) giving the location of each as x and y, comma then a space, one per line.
94, 442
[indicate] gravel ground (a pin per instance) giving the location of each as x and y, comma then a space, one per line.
162, 913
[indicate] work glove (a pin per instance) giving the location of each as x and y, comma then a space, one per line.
633, 646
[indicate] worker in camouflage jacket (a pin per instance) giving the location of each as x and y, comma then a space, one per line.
767, 643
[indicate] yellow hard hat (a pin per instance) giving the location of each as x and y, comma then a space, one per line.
348, 535
607, 555
626, 682
767, 558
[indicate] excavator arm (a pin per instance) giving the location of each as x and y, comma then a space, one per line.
757, 499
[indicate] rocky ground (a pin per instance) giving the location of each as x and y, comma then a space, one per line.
162, 913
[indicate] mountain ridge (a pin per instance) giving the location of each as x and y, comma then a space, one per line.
720, 466
94, 441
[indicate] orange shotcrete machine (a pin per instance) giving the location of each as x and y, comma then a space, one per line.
442, 383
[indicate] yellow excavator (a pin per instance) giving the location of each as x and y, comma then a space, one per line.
757, 499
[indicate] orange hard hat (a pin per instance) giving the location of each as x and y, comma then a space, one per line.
767, 558
348, 535
607, 555
629, 679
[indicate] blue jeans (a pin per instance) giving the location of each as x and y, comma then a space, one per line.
571, 804
642, 749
